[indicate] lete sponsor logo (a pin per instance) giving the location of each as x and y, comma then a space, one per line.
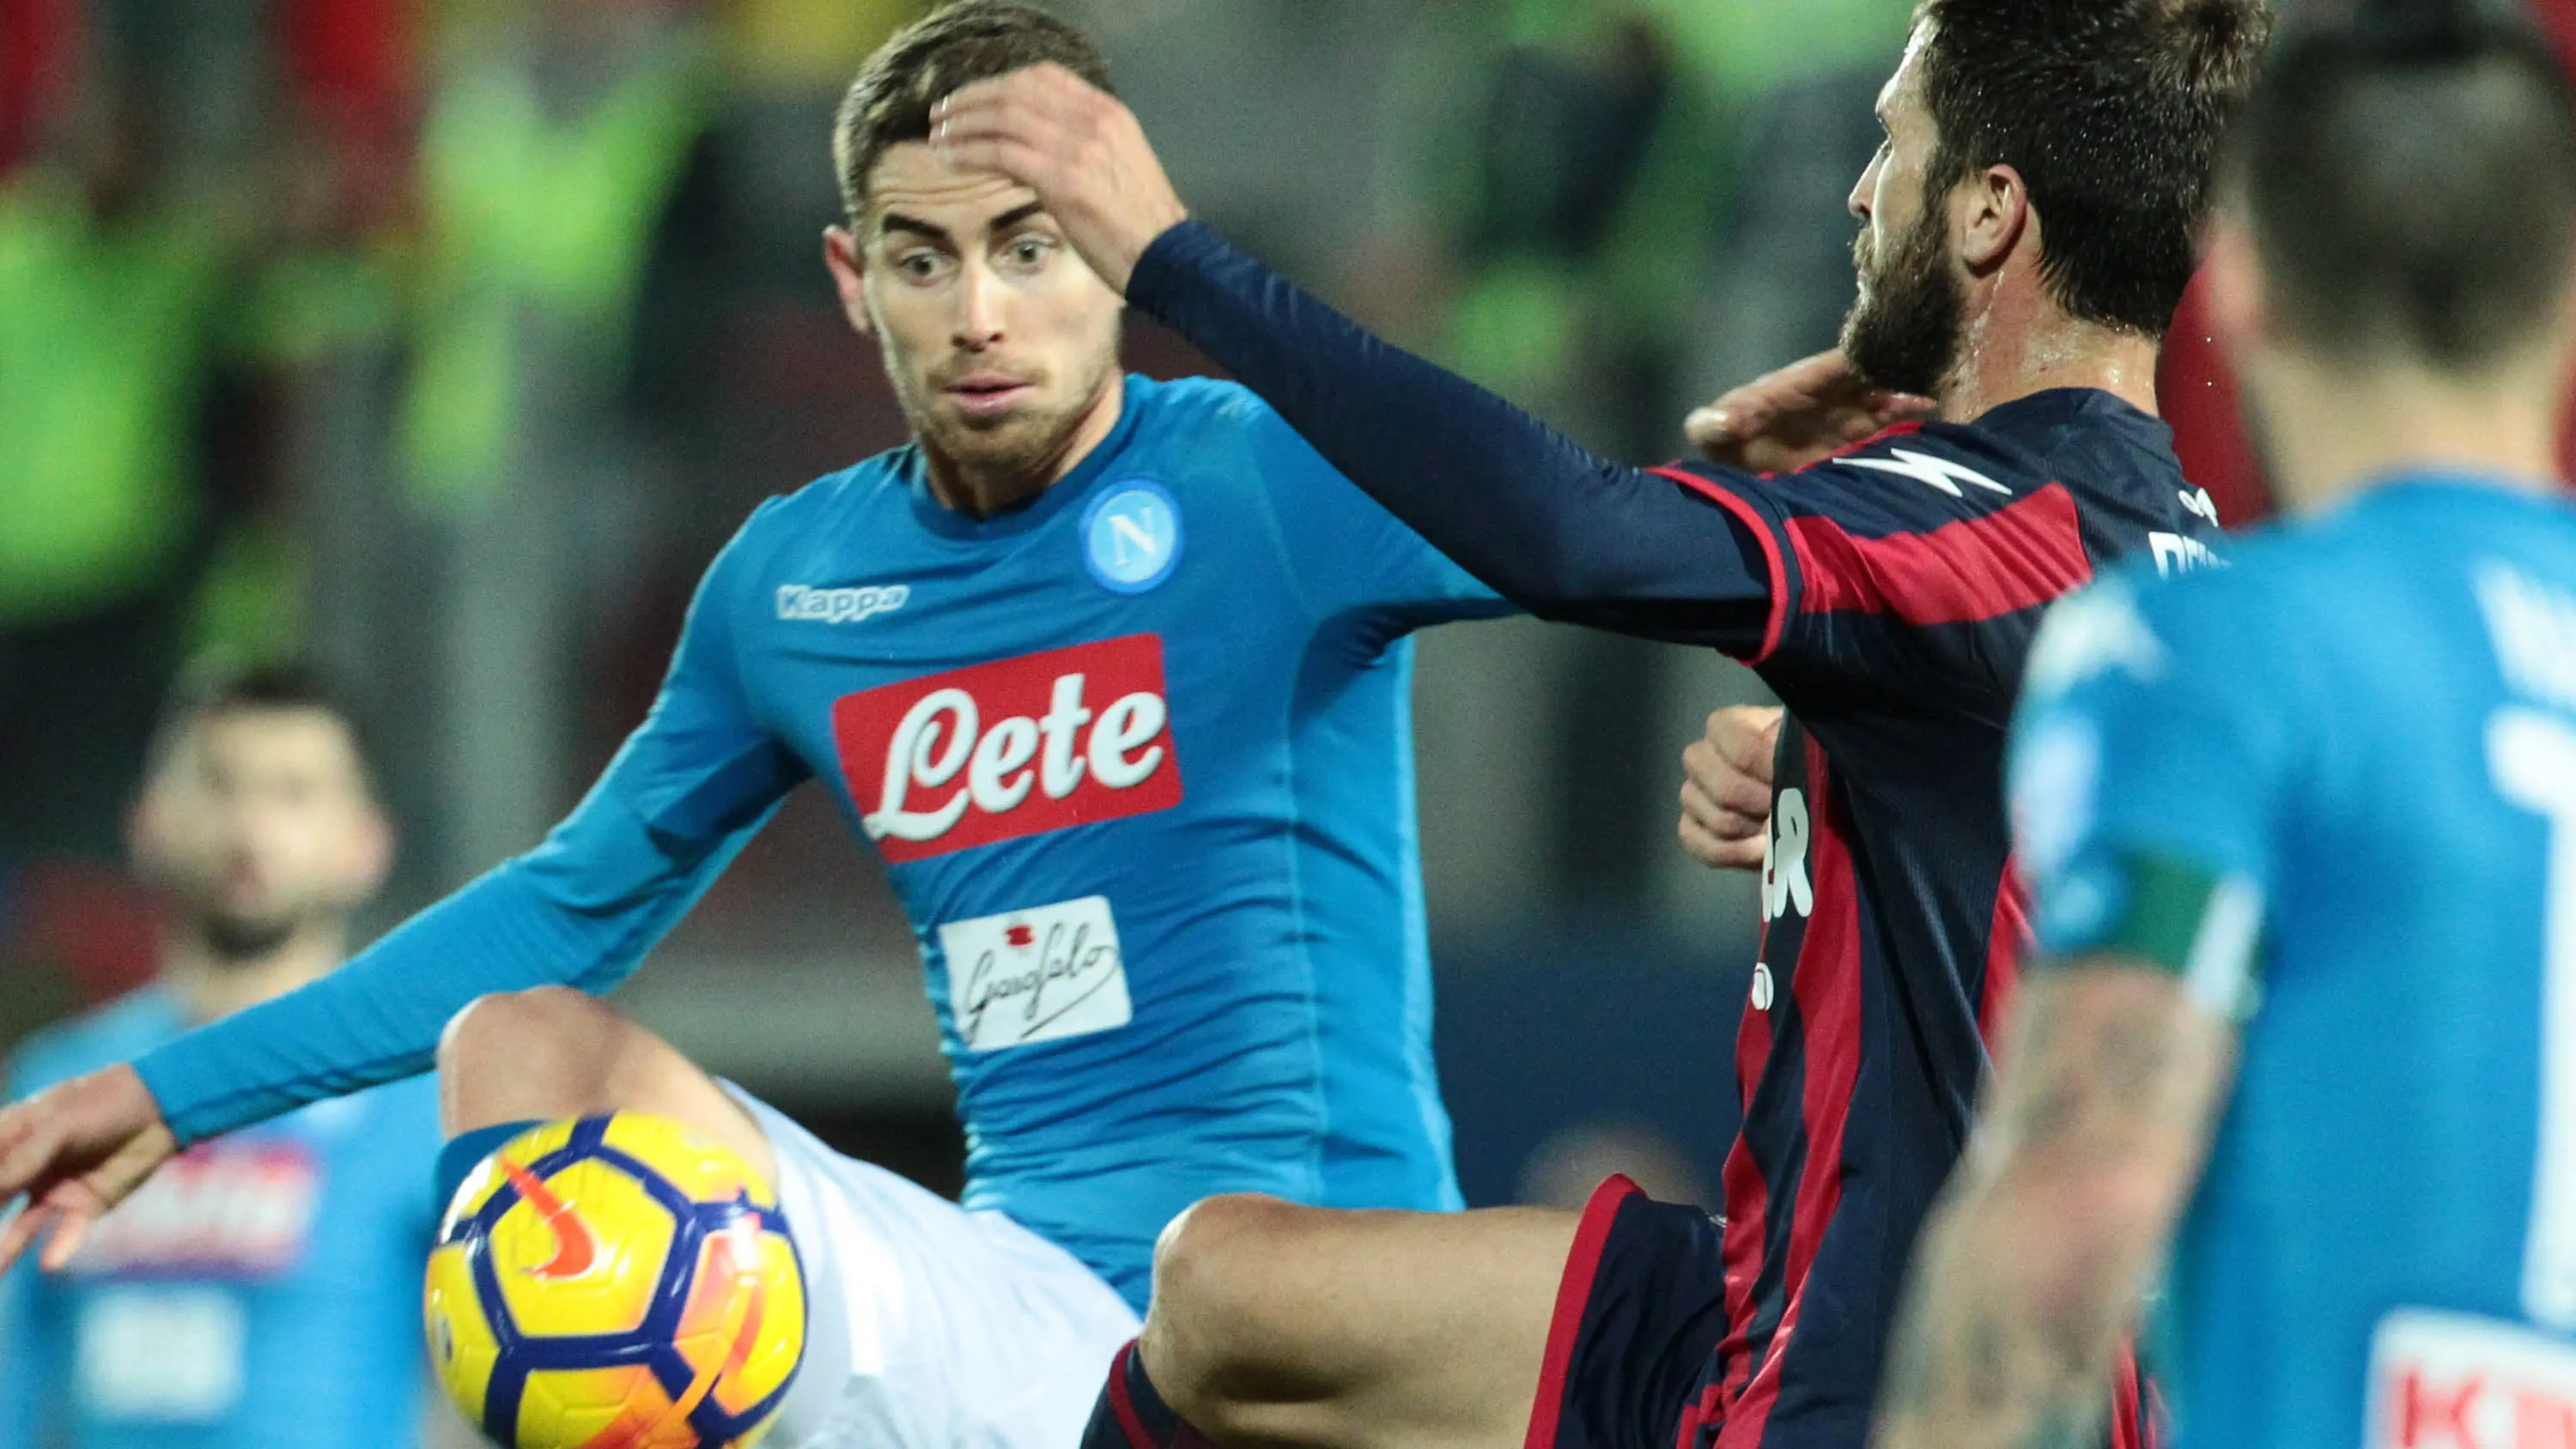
221, 1209
1019, 747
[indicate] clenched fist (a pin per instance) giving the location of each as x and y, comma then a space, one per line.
1726, 788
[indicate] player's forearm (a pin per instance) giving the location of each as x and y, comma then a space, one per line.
2031, 1269
1543, 522
378, 1018
2023, 1288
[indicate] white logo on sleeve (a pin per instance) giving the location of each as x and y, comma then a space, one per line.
1923, 468
2056, 768
2090, 634
1035, 975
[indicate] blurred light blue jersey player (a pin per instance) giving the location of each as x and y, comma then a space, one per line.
1138, 757
262, 1292
2335, 787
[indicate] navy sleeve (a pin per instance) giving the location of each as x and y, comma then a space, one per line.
1556, 530
1352, 557
690, 786
1915, 565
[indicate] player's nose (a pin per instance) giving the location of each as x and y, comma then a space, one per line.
979, 311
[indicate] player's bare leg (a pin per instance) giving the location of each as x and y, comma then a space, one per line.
553, 1052
1275, 1324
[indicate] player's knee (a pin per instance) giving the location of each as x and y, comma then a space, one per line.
1209, 1331
527, 1036
1205, 1256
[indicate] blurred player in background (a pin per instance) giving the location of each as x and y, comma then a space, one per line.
2028, 228
264, 1291
2309, 823
1114, 675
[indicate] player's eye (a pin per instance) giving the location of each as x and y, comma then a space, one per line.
1028, 253
921, 266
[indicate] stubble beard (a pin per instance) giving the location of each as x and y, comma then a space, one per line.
1904, 330
241, 940
1023, 447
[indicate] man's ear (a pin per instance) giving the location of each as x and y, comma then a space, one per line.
1993, 213
147, 827
844, 260
371, 855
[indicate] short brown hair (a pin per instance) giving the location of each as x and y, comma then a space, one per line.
2411, 180
950, 48
213, 688
2113, 112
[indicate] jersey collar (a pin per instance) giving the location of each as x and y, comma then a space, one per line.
949, 523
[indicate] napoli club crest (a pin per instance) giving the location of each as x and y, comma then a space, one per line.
1131, 536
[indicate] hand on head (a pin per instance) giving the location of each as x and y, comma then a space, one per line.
1078, 148
75, 1151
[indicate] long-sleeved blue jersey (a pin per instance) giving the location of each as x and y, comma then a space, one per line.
262, 1292
1138, 757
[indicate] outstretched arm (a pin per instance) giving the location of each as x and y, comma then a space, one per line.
1543, 522
2030, 1271
692, 784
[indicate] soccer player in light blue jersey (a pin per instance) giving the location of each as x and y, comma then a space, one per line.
264, 1292
2303, 833
1113, 675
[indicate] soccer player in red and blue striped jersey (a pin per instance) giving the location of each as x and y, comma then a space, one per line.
2028, 230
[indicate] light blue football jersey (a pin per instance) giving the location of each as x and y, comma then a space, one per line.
261, 1292
2364, 734
1138, 759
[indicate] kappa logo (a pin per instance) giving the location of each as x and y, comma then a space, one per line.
797, 603
1933, 472
576, 1247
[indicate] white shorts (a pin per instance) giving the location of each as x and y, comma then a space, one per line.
928, 1326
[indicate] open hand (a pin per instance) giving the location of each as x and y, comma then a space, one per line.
75, 1151
1799, 415
1726, 788
1078, 148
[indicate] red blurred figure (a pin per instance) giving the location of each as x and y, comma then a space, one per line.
2197, 389
37, 38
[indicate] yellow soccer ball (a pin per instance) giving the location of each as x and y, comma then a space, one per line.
617, 1282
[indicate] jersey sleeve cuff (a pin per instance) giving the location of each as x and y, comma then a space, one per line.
1769, 533
165, 1075
2202, 927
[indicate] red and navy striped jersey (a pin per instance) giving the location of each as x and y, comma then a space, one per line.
1908, 576
1889, 595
